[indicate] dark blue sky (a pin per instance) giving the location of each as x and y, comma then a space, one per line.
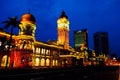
95, 15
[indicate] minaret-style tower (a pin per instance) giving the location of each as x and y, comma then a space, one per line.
28, 25
22, 55
27, 29
63, 31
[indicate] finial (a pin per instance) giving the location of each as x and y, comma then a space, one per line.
63, 15
63, 12
28, 11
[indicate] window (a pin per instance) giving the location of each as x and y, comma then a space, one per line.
53, 63
47, 62
47, 52
6, 46
33, 49
37, 50
22, 60
43, 51
56, 62
37, 61
42, 62
0, 43
3, 62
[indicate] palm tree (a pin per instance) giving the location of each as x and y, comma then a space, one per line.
13, 23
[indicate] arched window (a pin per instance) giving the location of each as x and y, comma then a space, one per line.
4, 59
37, 50
56, 62
37, 61
53, 62
42, 62
47, 62
22, 60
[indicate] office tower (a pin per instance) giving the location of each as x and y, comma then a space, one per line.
80, 39
101, 43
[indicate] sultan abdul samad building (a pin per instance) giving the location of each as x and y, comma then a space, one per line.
28, 52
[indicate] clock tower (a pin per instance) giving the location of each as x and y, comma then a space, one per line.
63, 31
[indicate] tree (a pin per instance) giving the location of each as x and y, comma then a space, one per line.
13, 23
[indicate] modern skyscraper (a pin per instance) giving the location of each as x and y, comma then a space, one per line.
101, 43
63, 31
80, 39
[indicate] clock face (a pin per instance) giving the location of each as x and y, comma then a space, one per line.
68, 26
64, 25
61, 24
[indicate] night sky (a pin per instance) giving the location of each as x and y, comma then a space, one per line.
95, 15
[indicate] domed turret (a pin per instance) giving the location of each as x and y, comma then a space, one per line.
26, 37
28, 18
28, 25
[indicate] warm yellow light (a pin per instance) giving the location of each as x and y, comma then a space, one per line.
63, 23
37, 60
47, 62
42, 62
6, 34
4, 59
40, 43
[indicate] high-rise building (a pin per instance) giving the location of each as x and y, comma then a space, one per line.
63, 30
101, 43
80, 39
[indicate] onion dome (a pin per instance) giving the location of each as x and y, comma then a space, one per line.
63, 15
28, 18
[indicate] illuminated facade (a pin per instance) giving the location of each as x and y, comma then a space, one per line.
26, 51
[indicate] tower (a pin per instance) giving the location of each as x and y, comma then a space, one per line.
101, 43
27, 29
28, 25
63, 31
80, 39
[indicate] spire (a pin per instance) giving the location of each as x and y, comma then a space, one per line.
63, 15
28, 11
63, 12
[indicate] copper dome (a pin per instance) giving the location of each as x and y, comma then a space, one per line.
28, 18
